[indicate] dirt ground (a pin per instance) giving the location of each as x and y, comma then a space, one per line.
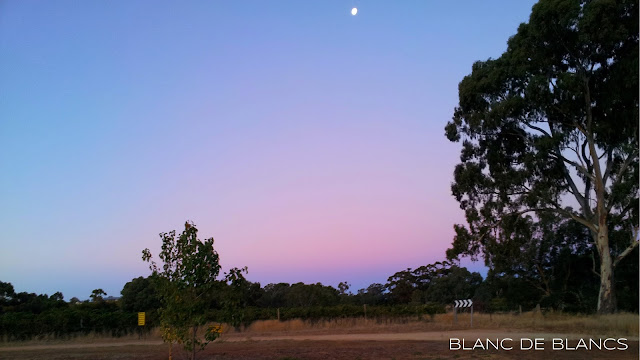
417, 345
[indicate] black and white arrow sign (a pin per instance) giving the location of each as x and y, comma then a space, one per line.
463, 303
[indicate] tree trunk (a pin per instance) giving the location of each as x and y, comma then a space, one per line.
193, 354
607, 296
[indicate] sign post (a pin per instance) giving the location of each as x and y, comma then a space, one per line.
462, 304
455, 314
141, 323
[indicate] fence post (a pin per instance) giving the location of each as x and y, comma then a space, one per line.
278, 314
471, 315
455, 315
365, 312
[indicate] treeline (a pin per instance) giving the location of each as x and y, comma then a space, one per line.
25, 316
567, 283
438, 283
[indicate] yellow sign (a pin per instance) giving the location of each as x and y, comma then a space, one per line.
141, 319
216, 328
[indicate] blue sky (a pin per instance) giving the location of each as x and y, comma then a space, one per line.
308, 142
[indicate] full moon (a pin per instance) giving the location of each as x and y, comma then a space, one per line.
354, 11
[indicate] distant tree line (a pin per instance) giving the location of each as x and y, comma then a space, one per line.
567, 284
25, 316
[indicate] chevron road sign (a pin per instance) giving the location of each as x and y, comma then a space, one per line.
463, 303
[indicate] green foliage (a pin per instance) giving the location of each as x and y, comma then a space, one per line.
401, 286
552, 256
627, 283
140, 294
27, 316
343, 287
97, 295
440, 282
274, 295
374, 294
333, 312
309, 295
74, 300
455, 284
186, 281
298, 295
6, 293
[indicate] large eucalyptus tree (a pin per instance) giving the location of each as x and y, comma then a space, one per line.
552, 126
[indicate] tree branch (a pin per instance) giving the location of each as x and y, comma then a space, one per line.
536, 128
624, 167
626, 252
578, 167
629, 249
536, 284
586, 209
544, 279
573, 216
584, 154
575, 151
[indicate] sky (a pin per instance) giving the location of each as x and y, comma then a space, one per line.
309, 143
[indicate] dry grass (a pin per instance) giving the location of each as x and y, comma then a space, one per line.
616, 324
622, 324
339, 325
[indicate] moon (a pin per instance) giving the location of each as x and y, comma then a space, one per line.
354, 11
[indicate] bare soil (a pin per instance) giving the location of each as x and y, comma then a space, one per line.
414, 345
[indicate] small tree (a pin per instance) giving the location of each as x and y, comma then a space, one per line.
186, 281
343, 287
6, 292
97, 295
57, 296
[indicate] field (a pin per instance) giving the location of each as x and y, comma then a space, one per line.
363, 339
